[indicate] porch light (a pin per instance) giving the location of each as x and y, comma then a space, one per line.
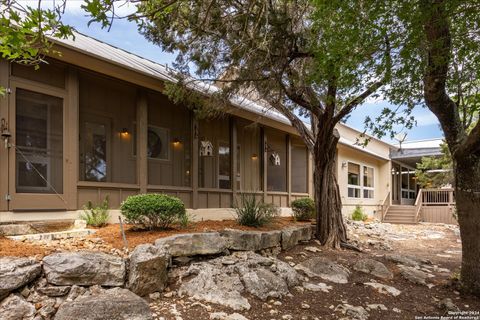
254, 156
124, 134
176, 142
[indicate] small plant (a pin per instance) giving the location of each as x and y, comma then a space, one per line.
153, 211
303, 209
253, 212
186, 220
96, 215
358, 214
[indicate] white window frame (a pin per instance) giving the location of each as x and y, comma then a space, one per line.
373, 182
361, 186
353, 186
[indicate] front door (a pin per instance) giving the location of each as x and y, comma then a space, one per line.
36, 153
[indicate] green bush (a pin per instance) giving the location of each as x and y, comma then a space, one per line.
153, 211
303, 209
254, 213
358, 214
96, 215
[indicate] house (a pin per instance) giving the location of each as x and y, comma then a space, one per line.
94, 123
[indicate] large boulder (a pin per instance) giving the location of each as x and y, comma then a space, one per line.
374, 268
17, 272
84, 269
383, 288
325, 269
293, 235
407, 260
147, 269
113, 304
193, 244
251, 240
14, 307
223, 280
215, 284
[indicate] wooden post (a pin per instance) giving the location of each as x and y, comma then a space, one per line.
310, 175
264, 163
72, 117
194, 173
4, 82
142, 141
233, 143
289, 169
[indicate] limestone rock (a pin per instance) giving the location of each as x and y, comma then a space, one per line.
317, 287
357, 313
15, 229
217, 282
406, 260
193, 244
84, 268
54, 291
325, 269
293, 235
215, 285
374, 268
116, 303
383, 288
251, 240
225, 316
17, 272
147, 269
14, 307
414, 275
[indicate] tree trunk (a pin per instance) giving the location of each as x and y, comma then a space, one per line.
467, 195
330, 227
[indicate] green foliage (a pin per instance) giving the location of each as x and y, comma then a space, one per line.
185, 221
436, 172
358, 214
96, 215
254, 213
25, 31
303, 209
153, 210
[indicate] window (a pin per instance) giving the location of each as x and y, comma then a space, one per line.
224, 165
277, 161
39, 140
354, 189
368, 191
299, 168
95, 152
367, 176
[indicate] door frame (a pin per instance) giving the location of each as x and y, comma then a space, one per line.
36, 201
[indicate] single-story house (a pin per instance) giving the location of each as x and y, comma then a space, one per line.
94, 122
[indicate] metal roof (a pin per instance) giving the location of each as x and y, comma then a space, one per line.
112, 54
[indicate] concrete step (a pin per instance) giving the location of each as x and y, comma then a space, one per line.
399, 222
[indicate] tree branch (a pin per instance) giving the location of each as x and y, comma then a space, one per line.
358, 100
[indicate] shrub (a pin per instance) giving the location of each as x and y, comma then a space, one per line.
358, 214
96, 215
253, 212
153, 211
303, 209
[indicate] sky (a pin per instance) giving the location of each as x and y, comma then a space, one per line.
124, 34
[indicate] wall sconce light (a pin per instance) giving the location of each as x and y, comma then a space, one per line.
344, 164
124, 134
176, 142
254, 156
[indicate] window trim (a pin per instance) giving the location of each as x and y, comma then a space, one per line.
361, 186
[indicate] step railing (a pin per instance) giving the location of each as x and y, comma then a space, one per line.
385, 205
418, 205
438, 197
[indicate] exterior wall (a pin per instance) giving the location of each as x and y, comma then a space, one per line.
381, 180
120, 105
374, 145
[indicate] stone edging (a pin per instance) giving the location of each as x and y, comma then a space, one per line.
143, 272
